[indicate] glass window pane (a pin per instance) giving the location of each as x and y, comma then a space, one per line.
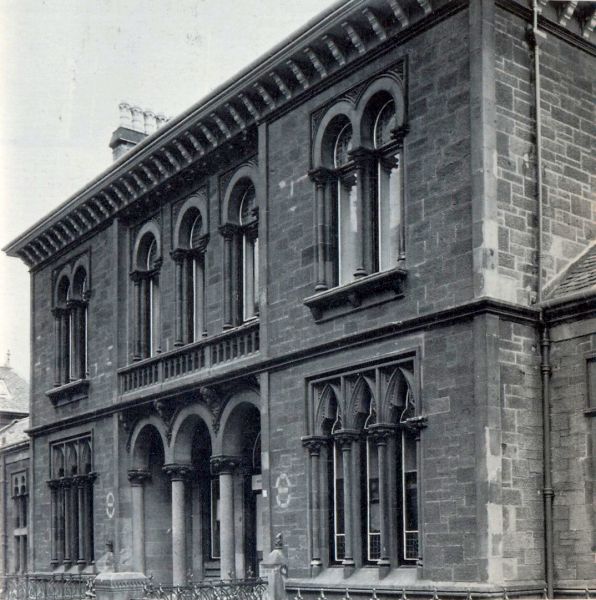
389, 206
347, 219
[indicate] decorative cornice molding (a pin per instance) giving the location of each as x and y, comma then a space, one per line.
166, 153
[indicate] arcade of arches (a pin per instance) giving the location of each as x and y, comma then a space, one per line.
197, 475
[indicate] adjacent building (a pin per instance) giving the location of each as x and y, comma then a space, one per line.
348, 297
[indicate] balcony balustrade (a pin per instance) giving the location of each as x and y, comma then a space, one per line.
202, 355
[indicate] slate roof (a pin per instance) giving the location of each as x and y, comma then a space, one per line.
580, 276
14, 432
14, 392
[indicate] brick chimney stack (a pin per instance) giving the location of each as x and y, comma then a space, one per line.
135, 125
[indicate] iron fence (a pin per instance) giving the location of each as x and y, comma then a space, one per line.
244, 589
50, 586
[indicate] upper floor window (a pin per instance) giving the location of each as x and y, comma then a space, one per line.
71, 324
190, 242
359, 186
241, 249
146, 296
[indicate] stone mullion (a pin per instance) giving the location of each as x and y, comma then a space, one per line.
186, 298
228, 234
346, 439
65, 346
199, 292
314, 444
381, 435
363, 238
179, 475
80, 491
145, 327
137, 298
330, 232
57, 346
178, 324
321, 177
67, 530
54, 561
89, 519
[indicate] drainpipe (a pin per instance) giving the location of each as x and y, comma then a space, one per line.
547, 492
535, 36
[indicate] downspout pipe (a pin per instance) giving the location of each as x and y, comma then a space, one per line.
547, 491
535, 36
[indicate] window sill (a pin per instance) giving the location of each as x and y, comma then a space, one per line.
369, 290
72, 391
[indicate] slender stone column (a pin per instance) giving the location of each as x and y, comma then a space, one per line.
345, 439
57, 312
137, 480
80, 483
67, 523
225, 466
65, 345
313, 444
186, 308
53, 485
144, 317
136, 278
178, 474
228, 232
89, 550
178, 256
321, 178
380, 435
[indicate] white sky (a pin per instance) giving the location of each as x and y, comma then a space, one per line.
64, 67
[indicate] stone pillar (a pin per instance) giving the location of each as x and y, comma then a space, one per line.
137, 352
380, 435
137, 480
228, 232
178, 474
53, 485
186, 309
313, 444
80, 484
362, 238
225, 467
65, 348
145, 313
178, 257
345, 439
321, 178
57, 312
67, 523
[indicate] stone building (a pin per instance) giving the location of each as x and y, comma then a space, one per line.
14, 470
347, 297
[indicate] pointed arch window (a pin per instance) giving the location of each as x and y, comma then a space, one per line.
371, 453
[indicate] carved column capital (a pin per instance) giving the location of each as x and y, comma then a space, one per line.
251, 229
201, 246
321, 175
314, 443
137, 276
177, 472
345, 437
362, 156
399, 133
179, 254
224, 464
58, 311
138, 476
53, 484
228, 230
381, 432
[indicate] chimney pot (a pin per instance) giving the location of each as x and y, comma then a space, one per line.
150, 122
125, 115
137, 118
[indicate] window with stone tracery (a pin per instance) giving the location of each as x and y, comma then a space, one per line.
20, 511
71, 503
364, 442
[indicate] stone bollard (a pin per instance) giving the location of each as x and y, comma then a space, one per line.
276, 568
119, 586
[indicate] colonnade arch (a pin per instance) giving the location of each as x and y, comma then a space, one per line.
197, 475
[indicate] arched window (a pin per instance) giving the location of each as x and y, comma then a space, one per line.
147, 296
249, 261
241, 250
359, 187
71, 325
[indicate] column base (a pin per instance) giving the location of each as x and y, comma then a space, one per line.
349, 567
360, 272
384, 566
316, 566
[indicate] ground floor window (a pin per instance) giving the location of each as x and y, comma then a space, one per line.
20, 502
363, 455
71, 489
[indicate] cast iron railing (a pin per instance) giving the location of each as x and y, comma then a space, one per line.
233, 589
47, 586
